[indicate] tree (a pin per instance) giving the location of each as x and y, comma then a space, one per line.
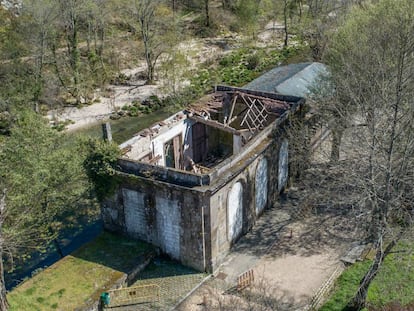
3, 300
42, 179
70, 12
285, 21
321, 17
41, 15
99, 164
97, 16
155, 23
248, 13
207, 12
372, 64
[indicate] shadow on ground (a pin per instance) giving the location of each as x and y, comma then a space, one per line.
115, 251
295, 228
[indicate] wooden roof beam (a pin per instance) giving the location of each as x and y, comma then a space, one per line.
215, 124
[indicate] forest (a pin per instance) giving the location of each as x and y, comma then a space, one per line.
58, 54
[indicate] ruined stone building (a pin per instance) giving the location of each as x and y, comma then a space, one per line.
194, 183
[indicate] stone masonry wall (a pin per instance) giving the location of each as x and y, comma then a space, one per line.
168, 216
198, 225
259, 186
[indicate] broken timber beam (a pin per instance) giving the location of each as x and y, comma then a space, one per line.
215, 124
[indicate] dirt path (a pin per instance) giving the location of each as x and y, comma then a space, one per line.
292, 255
196, 52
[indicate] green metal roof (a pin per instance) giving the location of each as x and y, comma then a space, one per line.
294, 79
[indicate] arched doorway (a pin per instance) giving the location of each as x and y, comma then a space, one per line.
283, 171
235, 211
261, 186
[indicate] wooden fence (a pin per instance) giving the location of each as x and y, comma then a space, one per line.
245, 279
324, 290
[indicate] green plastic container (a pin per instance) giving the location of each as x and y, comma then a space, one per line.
106, 299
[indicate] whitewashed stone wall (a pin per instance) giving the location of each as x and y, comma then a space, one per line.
134, 209
261, 188
235, 211
168, 226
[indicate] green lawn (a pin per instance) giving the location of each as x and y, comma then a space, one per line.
80, 278
394, 282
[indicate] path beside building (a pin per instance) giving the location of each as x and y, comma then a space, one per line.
292, 256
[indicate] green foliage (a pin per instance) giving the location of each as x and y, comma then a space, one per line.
240, 67
394, 283
99, 164
43, 174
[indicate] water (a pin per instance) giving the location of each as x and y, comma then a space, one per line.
125, 127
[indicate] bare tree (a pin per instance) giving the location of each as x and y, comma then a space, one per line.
42, 16
207, 13
372, 65
155, 26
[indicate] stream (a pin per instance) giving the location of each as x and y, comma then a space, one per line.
125, 127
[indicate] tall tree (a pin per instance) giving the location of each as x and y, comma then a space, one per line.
41, 16
372, 64
42, 176
70, 17
155, 26
248, 13
207, 12
3, 299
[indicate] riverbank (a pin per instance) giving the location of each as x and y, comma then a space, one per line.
196, 53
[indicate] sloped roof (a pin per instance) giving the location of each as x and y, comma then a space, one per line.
294, 79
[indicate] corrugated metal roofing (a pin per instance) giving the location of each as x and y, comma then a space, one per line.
294, 79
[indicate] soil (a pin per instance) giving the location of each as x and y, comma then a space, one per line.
302, 253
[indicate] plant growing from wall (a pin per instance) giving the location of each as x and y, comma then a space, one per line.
100, 165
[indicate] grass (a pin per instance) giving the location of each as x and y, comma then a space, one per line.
346, 286
393, 284
80, 278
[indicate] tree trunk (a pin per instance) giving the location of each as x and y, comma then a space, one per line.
360, 298
4, 306
285, 7
359, 301
207, 12
58, 248
336, 144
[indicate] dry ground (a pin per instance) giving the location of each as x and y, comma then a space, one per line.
292, 250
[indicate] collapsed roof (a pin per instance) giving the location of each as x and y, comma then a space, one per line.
207, 133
